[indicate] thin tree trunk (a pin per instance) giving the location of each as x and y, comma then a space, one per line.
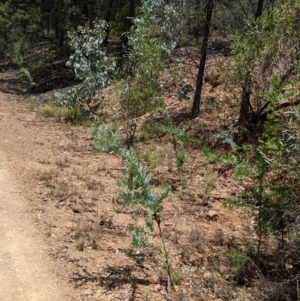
199, 84
245, 108
198, 7
60, 35
259, 9
183, 21
108, 19
131, 8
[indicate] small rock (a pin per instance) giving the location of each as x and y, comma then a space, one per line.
212, 215
98, 294
88, 202
207, 275
87, 292
76, 210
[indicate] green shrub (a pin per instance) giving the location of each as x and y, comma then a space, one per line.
121, 24
25, 79
273, 166
240, 265
91, 65
108, 139
150, 40
58, 113
135, 188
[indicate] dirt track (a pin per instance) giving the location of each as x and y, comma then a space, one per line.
26, 272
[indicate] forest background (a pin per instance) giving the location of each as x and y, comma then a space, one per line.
131, 47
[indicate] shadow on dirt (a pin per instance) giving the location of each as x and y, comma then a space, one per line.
10, 83
113, 278
52, 76
55, 75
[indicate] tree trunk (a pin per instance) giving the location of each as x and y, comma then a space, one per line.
131, 8
199, 84
259, 8
198, 7
183, 22
108, 18
245, 108
60, 36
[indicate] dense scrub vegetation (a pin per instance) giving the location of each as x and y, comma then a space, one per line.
125, 45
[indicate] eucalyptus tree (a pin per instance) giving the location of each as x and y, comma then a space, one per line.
197, 96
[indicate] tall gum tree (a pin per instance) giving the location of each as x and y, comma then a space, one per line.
197, 96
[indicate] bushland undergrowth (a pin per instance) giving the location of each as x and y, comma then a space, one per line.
135, 189
271, 170
268, 167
